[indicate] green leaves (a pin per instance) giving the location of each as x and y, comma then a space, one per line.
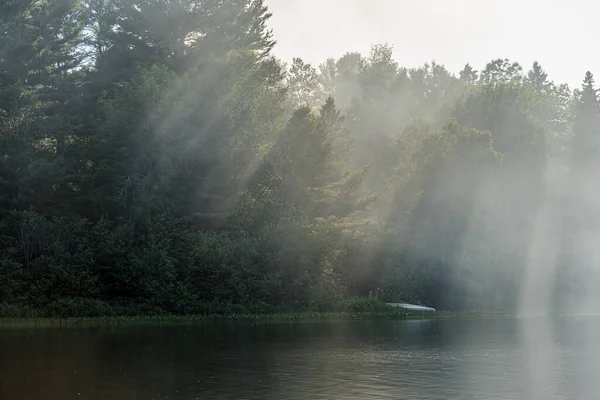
155, 156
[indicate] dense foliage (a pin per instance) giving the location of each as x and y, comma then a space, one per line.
155, 157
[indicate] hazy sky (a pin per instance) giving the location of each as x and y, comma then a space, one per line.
560, 34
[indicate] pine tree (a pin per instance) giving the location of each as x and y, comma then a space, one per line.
538, 77
586, 129
580, 199
181, 34
39, 101
305, 174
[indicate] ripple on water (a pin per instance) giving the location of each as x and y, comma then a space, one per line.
477, 359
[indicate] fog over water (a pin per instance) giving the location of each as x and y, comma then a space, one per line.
296, 157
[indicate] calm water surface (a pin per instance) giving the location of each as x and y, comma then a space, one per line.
436, 359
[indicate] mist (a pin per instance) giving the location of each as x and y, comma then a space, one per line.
475, 165
517, 231
285, 181
249, 157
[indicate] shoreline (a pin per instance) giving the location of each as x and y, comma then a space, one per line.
211, 318
291, 317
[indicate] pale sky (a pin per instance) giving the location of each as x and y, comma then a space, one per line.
562, 35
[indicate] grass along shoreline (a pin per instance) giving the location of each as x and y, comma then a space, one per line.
69, 308
282, 317
305, 316
93, 312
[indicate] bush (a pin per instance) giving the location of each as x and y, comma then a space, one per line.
18, 311
78, 307
364, 304
79, 268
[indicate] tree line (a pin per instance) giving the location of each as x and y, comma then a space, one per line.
155, 157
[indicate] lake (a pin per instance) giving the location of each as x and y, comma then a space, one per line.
502, 358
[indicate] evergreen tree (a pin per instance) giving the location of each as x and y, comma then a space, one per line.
155, 158
181, 33
39, 58
538, 77
586, 129
580, 196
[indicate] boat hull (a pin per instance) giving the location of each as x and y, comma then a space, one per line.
412, 307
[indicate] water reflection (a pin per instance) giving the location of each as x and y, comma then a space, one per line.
436, 359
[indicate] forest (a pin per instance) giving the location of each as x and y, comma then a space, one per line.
157, 158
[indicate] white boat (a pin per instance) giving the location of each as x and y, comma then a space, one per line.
412, 307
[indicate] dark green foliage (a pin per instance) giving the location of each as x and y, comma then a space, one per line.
156, 159
586, 129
